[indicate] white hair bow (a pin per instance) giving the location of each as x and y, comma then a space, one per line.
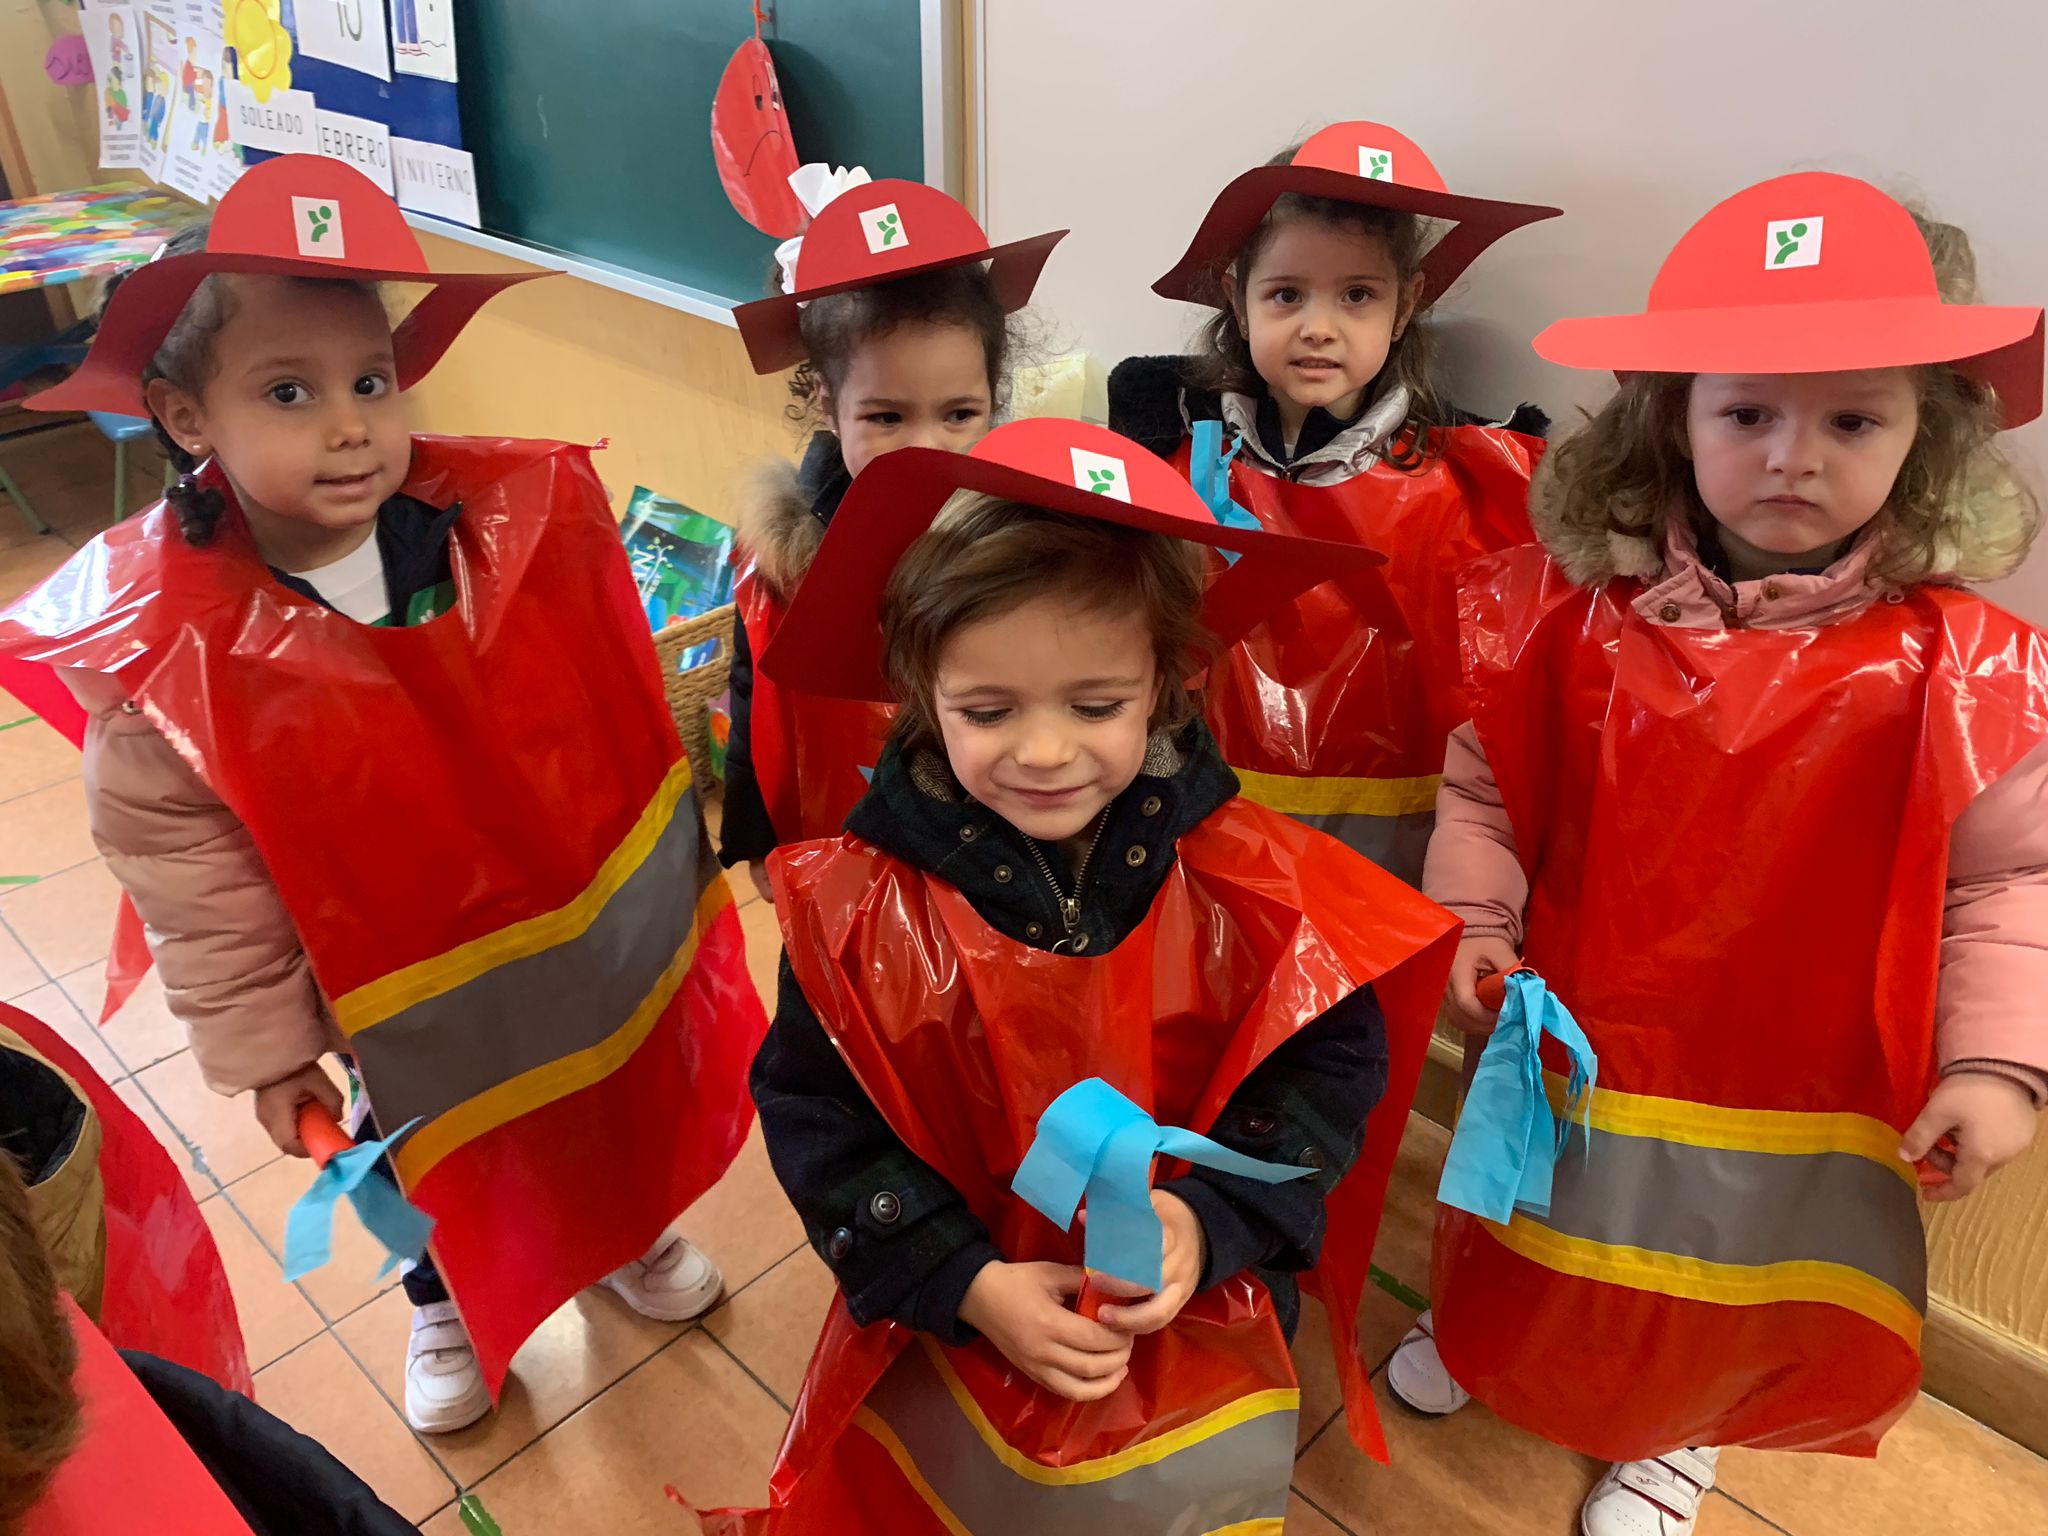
815, 185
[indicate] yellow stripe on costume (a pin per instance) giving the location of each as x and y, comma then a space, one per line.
1793, 1131
1293, 796
872, 1423
558, 1079
1690, 1279
1144, 1454
374, 1002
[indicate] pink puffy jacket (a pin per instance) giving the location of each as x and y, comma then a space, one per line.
1994, 947
234, 972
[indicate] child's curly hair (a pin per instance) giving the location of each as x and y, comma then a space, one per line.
1222, 357
1957, 511
984, 557
834, 329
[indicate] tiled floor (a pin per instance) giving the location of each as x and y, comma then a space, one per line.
605, 1408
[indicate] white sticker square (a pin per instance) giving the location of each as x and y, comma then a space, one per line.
1375, 164
318, 223
1792, 243
883, 226
1100, 473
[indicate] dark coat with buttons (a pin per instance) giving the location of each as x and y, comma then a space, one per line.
898, 1237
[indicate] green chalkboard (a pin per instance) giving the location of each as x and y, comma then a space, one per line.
590, 121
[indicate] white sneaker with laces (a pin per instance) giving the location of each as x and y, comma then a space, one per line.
1658, 1497
444, 1386
1417, 1376
673, 1283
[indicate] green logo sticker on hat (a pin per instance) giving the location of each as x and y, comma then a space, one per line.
883, 227
1100, 473
1792, 243
317, 223
1375, 164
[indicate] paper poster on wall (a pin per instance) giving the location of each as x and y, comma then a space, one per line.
284, 124
108, 32
165, 11
432, 178
353, 33
224, 164
188, 165
201, 16
423, 38
159, 91
363, 144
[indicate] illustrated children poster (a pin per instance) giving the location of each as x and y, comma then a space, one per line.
159, 67
117, 84
423, 38
189, 152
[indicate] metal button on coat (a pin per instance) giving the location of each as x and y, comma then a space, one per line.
1312, 1159
1002, 874
1134, 855
840, 1244
885, 1208
969, 834
1033, 930
1080, 942
1670, 613
1151, 806
1259, 1123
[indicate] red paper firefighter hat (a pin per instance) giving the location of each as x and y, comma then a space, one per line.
1366, 163
830, 641
878, 231
294, 216
1812, 273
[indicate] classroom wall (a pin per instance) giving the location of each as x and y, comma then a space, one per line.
1122, 121
53, 126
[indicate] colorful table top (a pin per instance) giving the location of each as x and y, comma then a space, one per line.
66, 236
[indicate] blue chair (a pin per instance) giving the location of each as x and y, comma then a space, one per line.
22, 362
121, 431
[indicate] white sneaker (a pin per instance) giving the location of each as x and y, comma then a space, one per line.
444, 1386
1658, 1497
1417, 1376
672, 1284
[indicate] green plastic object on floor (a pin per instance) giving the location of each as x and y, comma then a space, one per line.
476, 1519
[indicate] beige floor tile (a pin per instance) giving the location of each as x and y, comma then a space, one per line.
773, 1324
319, 1391
764, 942
19, 972
1468, 1472
349, 1278
275, 1317
224, 1130
575, 1355
1936, 1471
744, 1222
32, 755
688, 1417
1403, 1246
45, 831
449, 1523
1304, 1520
67, 921
1722, 1516
144, 1032
23, 566
1382, 1322
54, 1008
183, 1155
11, 708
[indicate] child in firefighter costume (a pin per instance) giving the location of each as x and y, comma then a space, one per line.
1054, 880
895, 310
1754, 783
377, 748
1310, 408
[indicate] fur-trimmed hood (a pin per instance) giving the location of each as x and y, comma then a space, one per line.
784, 510
1989, 530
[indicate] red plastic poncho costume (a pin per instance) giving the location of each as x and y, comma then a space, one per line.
165, 1290
1261, 926
485, 831
812, 753
1337, 710
1737, 1256
483, 825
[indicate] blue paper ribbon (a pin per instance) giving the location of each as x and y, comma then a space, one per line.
1505, 1152
394, 1221
1093, 1141
1209, 473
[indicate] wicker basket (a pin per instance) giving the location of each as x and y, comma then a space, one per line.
691, 693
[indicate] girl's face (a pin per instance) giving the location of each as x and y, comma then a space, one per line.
1322, 307
918, 386
1790, 465
1045, 711
302, 406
